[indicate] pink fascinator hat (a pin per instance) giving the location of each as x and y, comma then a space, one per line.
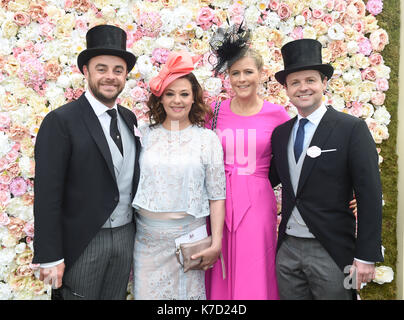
178, 64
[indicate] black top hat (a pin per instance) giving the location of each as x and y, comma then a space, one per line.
108, 40
302, 54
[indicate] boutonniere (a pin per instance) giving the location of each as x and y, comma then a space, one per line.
314, 151
138, 134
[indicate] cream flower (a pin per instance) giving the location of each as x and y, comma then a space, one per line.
384, 274
9, 29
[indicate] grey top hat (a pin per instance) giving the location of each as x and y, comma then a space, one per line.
302, 54
106, 40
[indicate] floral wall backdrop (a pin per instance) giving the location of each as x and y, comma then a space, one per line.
40, 41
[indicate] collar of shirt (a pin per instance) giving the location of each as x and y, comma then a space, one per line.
316, 116
98, 107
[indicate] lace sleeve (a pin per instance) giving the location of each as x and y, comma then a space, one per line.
215, 180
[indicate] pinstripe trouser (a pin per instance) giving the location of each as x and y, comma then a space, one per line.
102, 271
305, 271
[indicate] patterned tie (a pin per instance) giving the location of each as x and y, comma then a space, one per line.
113, 129
298, 148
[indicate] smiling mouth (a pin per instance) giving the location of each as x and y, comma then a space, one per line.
177, 109
304, 96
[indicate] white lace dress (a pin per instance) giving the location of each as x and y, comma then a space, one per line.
180, 171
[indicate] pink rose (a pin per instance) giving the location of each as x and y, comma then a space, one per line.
5, 178
236, 9
4, 120
374, 6
307, 14
18, 186
160, 55
375, 59
328, 19
3, 164
318, 14
139, 94
340, 5
29, 229
297, 33
81, 25
359, 26
382, 84
330, 5
274, 5
378, 98
365, 46
4, 219
205, 17
22, 19
368, 74
284, 11
379, 39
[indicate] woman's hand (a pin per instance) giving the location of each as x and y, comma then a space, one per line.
353, 206
209, 256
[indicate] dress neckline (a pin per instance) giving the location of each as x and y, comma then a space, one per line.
239, 115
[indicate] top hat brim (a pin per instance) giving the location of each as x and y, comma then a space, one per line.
325, 69
87, 54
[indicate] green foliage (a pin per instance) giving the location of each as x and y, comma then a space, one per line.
389, 20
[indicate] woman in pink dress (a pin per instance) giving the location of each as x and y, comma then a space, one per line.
244, 125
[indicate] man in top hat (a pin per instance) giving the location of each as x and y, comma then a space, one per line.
322, 157
86, 176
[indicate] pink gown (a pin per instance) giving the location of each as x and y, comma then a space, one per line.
249, 235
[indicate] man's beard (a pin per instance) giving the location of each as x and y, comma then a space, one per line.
101, 97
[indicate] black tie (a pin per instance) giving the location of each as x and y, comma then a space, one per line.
298, 148
113, 129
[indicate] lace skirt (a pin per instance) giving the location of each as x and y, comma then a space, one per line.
157, 273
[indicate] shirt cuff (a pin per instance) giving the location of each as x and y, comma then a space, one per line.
51, 264
363, 261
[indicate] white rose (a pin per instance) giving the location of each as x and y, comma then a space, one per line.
383, 274
318, 4
213, 86
338, 103
4, 144
165, 42
352, 47
63, 81
108, 12
300, 20
272, 20
144, 65
287, 26
77, 80
381, 115
7, 256
309, 33
251, 15
367, 110
382, 71
5, 291
336, 32
202, 74
5, 48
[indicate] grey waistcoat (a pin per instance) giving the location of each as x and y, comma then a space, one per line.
124, 168
296, 226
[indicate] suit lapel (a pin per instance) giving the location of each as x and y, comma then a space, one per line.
95, 129
320, 137
130, 122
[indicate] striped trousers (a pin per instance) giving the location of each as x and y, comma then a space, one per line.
102, 271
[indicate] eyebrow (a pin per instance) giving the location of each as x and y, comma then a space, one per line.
104, 65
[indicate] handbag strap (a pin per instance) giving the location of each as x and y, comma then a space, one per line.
216, 114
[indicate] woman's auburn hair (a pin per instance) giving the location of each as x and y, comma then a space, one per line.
200, 112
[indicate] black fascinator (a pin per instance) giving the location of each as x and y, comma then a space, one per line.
229, 45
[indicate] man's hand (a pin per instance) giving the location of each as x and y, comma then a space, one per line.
364, 272
53, 275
